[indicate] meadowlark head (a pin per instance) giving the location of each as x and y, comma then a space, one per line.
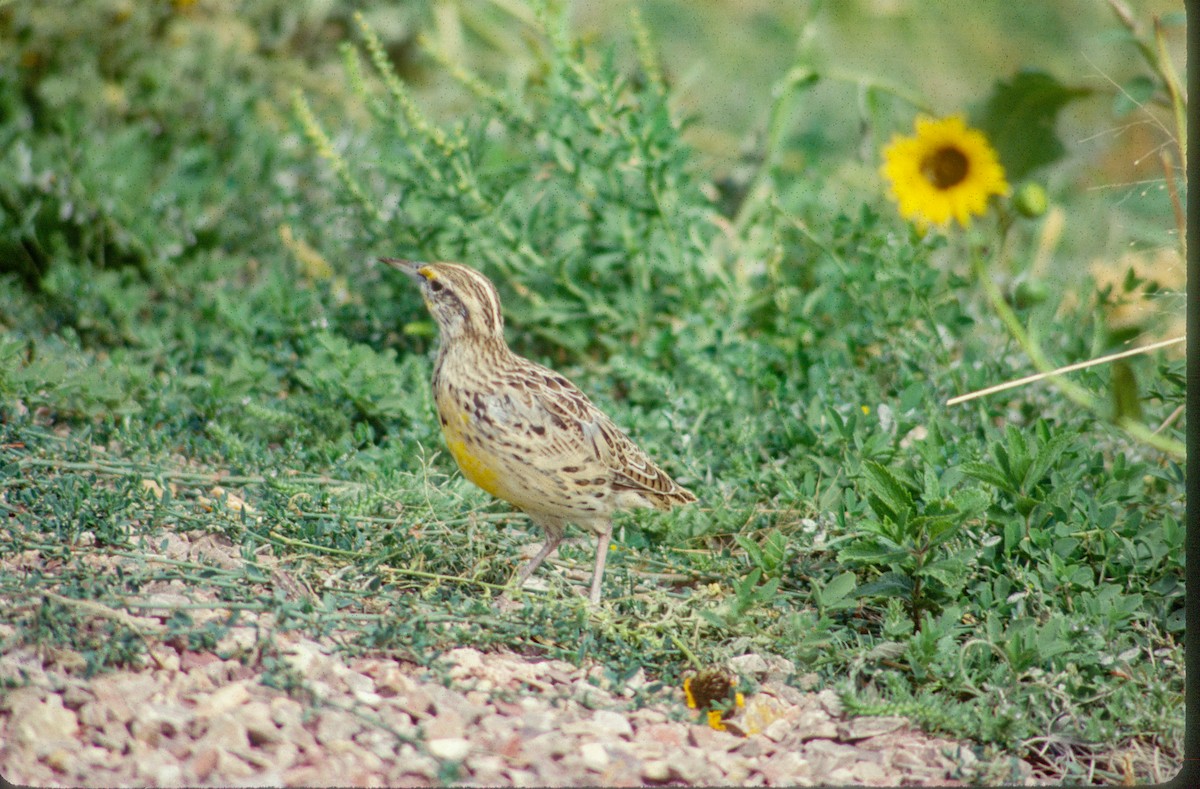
463, 302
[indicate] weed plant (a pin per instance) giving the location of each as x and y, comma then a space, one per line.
195, 342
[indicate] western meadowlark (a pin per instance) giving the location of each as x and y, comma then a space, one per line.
523, 432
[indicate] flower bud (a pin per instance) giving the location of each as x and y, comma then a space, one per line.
1029, 292
1030, 200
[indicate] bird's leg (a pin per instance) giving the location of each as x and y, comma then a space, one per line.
554, 535
601, 555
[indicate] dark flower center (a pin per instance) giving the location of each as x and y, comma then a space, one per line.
945, 167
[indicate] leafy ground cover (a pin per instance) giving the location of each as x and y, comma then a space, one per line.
196, 339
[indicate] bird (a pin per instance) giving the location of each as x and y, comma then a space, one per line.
523, 432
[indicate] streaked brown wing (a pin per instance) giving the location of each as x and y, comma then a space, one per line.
629, 465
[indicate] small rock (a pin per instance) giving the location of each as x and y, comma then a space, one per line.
672, 734
416, 701
358, 683
153, 721
284, 755
547, 747
74, 696
749, 665
203, 763
611, 723
523, 778
194, 660
237, 640
466, 661
452, 749
709, 739
230, 766
871, 774
260, 727
226, 732
122, 694
776, 731
830, 702
397, 719
93, 715
594, 756
813, 724
219, 673
591, 697
487, 770
112, 736
447, 700
656, 770
286, 712
480, 695
752, 748
734, 767
416, 763
224, 699
308, 658
390, 680
647, 716
787, 769
43, 721
786, 693
169, 774
864, 728
444, 725
334, 725
59, 760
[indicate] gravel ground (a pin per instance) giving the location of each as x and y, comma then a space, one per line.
504, 720
191, 718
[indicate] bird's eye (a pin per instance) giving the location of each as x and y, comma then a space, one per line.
436, 286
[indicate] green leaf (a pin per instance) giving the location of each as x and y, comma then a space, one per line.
752, 550
1019, 119
1045, 458
1126, 402
888, 585
888, 488
989, 474
837, 589
950, 571
1018, 452
970, 502
774, 549
872, 552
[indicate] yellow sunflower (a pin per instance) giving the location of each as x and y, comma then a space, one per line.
945, 171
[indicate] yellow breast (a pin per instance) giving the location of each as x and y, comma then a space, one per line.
479, 467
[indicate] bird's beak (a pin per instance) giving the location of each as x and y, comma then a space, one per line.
409, 267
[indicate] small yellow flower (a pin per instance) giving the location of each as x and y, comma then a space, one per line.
945, 171
709, 691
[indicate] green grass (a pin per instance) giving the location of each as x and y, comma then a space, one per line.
174, 361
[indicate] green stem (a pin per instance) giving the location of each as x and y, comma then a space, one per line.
695, 661
1075, 393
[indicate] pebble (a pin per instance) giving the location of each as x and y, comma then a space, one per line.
594, 756
334, 725
259, 723
749, 665
505, 721
227, 733
656, 770
453, 749
224, 699
43, 721
608, 722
